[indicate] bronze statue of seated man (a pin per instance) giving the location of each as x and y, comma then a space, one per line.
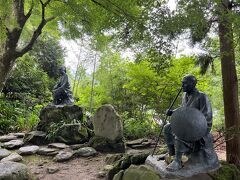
193, 100
62, 93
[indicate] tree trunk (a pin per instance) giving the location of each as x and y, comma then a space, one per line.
7, 61
92, 87
230, 85
8, 50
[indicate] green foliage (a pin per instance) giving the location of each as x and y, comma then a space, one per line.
27, 79
30, 120
49, 55
226, 171
52, 132
143, 86
8, 115
6, 7
139, 92
214, 91
135, 128
16, 116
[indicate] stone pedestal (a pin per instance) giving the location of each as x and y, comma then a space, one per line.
59, 113
105, 145
192, 167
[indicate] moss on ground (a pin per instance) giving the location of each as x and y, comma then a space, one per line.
226, 172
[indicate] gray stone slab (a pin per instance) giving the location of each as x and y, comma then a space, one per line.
4, 153
28, 150
7, 138
13, 170
14, 157
13, 144
78, 146
18, 135
58, 145
186, 171
135, 142
64, 155
85, 152
47, 151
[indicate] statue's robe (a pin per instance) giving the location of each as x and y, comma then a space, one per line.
62, 93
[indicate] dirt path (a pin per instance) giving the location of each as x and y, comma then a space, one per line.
78, 168
75, 169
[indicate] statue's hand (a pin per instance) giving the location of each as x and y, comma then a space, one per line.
169, 112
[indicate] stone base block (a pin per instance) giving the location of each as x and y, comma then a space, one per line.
188, 170
105, 145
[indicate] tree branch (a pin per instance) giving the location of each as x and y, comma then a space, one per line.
104, 7
234, 4
121, 10
19, 12
30, 11
38, 31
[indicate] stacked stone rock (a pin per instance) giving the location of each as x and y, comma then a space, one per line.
69, 122
11, 142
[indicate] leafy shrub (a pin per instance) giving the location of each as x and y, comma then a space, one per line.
54, 127
134, 129
16, 116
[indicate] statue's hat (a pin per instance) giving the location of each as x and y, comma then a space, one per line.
188, 124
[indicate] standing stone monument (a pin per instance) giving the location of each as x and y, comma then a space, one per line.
108, 130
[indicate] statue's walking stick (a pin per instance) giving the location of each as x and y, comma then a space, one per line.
165, 120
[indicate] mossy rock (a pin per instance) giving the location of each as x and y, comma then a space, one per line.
142, 172
112, 158
36, 138
72, 134
116, 168
105, 145
162, 150
226, 172
98, 142
14, 171
119, 175
53, 114
125, 162
139, 158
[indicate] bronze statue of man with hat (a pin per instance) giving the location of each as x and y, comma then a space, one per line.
188, 132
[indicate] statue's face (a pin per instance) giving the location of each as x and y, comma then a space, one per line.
61, 71
188, 85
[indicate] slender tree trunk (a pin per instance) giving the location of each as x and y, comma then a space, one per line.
93, 79
76, 74
78, 82
230, 84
